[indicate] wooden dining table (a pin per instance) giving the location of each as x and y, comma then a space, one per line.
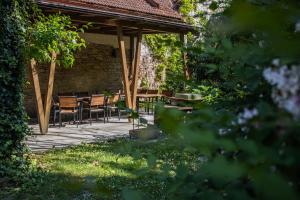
80, 99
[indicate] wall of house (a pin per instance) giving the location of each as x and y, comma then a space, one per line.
97, 68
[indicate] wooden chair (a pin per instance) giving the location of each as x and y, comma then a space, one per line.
96, 105
166, 94
68, 105
142, 91
151, 101
152, 91
143, 101
112, 105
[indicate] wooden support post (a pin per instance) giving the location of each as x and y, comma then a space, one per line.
38, 95
48, 100
131, 56
136, 67
43, 111
183, 40
124, 67
132, 53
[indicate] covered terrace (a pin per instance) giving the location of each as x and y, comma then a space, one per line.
120, 24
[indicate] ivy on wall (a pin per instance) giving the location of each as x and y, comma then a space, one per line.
167, 50
13, 127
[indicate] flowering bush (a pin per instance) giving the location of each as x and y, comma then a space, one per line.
247, 140
286, 86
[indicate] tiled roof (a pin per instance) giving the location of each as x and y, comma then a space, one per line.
140, 7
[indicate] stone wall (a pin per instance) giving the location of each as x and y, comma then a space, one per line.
148, 67
97, 68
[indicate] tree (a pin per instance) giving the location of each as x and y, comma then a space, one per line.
51, 39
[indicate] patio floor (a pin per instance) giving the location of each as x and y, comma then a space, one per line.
85, 133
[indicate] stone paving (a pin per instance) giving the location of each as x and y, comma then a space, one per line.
69, 134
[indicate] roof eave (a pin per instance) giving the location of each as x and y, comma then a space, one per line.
175, 25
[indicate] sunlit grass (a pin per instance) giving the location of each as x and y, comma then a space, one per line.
102, 171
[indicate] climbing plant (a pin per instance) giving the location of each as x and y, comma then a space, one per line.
167, 49
27, 34
54, 33
14, 20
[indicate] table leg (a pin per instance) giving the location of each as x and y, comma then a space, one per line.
148, 106
138, 104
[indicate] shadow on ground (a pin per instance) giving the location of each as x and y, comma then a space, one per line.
101, 171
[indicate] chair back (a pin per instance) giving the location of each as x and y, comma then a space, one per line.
68, 102
142, 91
97, 100
114, 99
167, 93
152, 92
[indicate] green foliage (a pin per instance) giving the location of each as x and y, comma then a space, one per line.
54, 33
239, 161
166, 49
243, 160
248, 146
210, 94
13, 128
25, 34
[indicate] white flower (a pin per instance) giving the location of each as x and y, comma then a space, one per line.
247, 115
224, 131
286, 87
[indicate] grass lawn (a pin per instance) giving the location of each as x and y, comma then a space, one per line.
103, 171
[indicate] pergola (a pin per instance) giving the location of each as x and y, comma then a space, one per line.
131, 18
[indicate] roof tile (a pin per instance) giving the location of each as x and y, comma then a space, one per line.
165, 8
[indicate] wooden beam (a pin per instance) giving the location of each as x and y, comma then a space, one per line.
48, 100
136, 68
186, 72
124, 67
132, 50
132, 54
38, 95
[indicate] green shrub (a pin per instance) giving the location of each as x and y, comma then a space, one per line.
248, 137
13, 128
